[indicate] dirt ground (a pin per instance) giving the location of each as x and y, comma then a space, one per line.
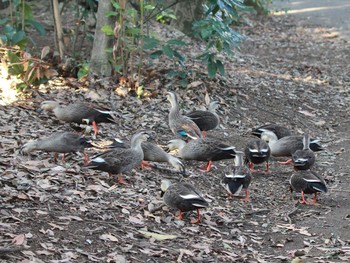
284, 73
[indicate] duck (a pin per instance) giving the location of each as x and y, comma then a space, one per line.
238, 179
120, 160
206, 120
153, 153
184, 197
203, 149
180, 125
78, 113
304, 159
307, 182
59, 142
278, 130
286, 146
257, 151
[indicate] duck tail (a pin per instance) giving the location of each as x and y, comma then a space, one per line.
315, 145
319, 187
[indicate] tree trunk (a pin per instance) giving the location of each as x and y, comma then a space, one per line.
99, 57
58, 28
187, 12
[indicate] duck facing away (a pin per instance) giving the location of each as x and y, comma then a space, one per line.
307, 182
78, 113
181, 125
286, 146
120, 160
184, 197
239, 179
206, 120
304, 159
204, 149
279, 131
257, 151
59, 142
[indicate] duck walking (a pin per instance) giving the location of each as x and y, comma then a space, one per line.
120, 160
257, 151
184, 197
78, 113
181, 125
304, 159
307, 182
204, 149
239, 179
206, 120
278, 130
59, 142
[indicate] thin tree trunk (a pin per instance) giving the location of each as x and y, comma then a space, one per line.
58, 28
99, 57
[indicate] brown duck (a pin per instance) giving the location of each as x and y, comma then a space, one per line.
184, 197
78, 113
59, 142
120, 160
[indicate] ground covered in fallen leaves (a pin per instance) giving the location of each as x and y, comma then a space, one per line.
295, 76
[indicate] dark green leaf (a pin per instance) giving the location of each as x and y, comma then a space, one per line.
176, 42
220, 67
156, 54
180, 58
38, 26
111, 13
17, 37
168, 51
149, 43
212, 68
3, 21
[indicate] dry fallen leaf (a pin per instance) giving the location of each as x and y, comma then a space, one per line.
156, 235
109, 237
19, 240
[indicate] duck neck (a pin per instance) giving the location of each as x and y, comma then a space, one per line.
306, 142
136, 144
174, 110
239, 159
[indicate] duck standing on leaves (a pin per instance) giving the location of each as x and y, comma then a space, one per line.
153, 153
304, 159
78, 113
181, 125
206, 120
257, 151
307, 182
120, 160
239, 179
59, 142
204, 149
184, 197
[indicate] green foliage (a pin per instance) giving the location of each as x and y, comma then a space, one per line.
83, 70
216, 31
168, 49
14, 41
